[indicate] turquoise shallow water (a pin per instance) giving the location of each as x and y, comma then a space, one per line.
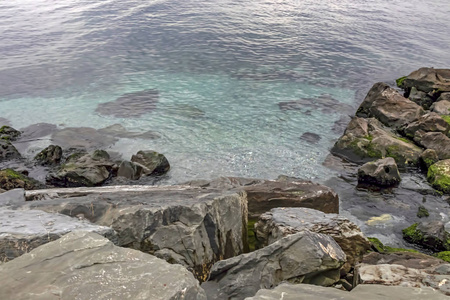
221, 69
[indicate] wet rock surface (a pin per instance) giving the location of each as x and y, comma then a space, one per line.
303, 257
152, 162
83, 265
382, 172
130, 105
51, 155
10, 179
8, 151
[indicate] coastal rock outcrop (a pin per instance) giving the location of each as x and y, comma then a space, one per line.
10, 179
9, 134
82, 138
382, 172
436, 141
152, 162
428, 80
83, 265
280, 222
51, 155
304, 257
430, 122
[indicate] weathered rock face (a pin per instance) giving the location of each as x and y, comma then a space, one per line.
441, 107
439, 175
9, 133
10, 179
153, 163
190, 226
430, 235
382, 172
366, 139
280, 222
51, 155
8, 151
430, 122
83, 265
130, 170
428, 157
22, 231
304, 257
428, 80
389, 107
82, 169
436, 141
421, 98
362, 291
131, 105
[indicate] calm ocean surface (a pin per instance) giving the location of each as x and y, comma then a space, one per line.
221, 68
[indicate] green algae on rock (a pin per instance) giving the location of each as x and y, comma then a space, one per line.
378, 246
444, 255
430, 235
439, 175
10, 179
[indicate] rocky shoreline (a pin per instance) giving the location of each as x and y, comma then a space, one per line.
238, 238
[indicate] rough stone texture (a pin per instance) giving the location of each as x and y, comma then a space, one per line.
83, 265
191, 226
439, 175
8, 151
263, 195
363, 291
366, 139
428, 157
130, 105
430, 122
22, 231
153, 163
437, 141
431, 235
51, 155
130, 170
382, 172
428, 80
9, 133
10, 179
280, 222
82, 169
421, 98
389, 107
304, 257
412, 260
441, 107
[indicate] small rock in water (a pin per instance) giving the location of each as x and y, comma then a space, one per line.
130, 105
382, 172
153, 162
310, 137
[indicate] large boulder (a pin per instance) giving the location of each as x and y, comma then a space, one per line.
430, 235
428, 80
83, 265
363, 291
152, 162
10, 179
22, 231
389, 107
439, 175
430, 122
304, 257
82, 169
436, 141
193, 227
280, 222
51, 155
382, 172
8, 151
366, 139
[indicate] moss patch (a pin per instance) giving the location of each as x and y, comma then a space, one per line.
251, 234
422, 212
399, 81
444, 255
380, 247
446, 118
439, 176
411, 234
404, 140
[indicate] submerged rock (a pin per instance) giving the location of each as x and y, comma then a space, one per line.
153, 163
130, 105
82, 137
280, 222
117, 130
304, 257
382, 172
51, 155
10, 179
83, 265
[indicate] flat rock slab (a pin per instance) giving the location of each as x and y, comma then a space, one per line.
24, 230
191, 226
84, 265
362, 291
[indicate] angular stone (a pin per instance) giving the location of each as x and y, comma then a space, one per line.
8, 133
436, 141
10, 179
428, 157
49, 156
382, 172
441, 107
193, 227
362, 291
366, 139
430, 122
130, 170
117, 130
389, 107
280, 222
22, 231
421, 98
8, 151
83, 265
304, 257
430, 235
428, 80
153, 162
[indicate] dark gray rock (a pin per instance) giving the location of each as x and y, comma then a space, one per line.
8, 133
82, 137
153, 162
8, 151
382, 172
362, 291
430, 122
410, 260
118, 130
130, 170
441, 107
280, 222
22, 231
50, 156
131, 105
194, 227
421, 98
304, 257
83, 265
81, 169
428, 80
389, 107
310, 137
